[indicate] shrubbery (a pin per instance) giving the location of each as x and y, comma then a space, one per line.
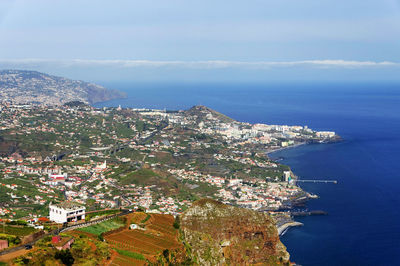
177, 222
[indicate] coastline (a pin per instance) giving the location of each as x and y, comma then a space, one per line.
283, 228
286, 148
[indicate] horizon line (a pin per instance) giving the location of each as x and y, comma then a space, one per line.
197, 64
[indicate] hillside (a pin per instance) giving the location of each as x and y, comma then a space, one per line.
204, 113
152, 241
220, 234
208, 233
22, 86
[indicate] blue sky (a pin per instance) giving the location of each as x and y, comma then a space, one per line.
203, 40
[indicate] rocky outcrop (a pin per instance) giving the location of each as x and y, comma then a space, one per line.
219, 234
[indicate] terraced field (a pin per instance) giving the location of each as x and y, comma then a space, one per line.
162, 223
158, 235
137, 217
126, 261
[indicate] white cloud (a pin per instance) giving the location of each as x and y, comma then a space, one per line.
210, 64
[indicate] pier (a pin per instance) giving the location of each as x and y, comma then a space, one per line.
307, 213
315, 181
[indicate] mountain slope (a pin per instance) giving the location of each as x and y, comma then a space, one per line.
23, 86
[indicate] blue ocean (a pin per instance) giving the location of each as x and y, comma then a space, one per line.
363, 222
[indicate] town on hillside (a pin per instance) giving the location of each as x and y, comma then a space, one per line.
66, 165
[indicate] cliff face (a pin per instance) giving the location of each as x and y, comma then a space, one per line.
220, 234
22, 86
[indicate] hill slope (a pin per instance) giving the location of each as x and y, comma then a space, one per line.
22, 86
203, 113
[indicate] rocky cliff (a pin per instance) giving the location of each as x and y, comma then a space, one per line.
22, 86
218, 234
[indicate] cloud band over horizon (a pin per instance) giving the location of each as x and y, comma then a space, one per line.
206, 64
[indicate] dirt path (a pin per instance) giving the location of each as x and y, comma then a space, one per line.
10, 256
114, 254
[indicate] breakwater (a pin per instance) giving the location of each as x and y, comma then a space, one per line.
308, 213
284, 227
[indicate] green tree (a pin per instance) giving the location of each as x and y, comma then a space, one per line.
177, 222
65, 256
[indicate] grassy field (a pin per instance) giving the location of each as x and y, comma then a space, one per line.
91, 215
17, 231
130, 254
103, 227
141, 176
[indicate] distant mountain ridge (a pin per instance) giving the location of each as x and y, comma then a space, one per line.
24, 86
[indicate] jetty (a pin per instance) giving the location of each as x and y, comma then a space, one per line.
308, 213
284, 227
315, 181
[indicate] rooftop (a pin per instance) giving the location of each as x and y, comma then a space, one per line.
68, 205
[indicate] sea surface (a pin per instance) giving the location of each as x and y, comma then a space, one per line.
363, 224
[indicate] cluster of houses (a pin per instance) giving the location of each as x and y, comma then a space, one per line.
170, 205
197, 176
246, 160
252, 193
258, 194
54, 182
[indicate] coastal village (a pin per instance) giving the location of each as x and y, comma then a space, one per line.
59, 164
94, 149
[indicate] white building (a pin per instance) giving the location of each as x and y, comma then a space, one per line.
287, 175
101, 167
234, 182
56, 179
325, 134
66, 212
